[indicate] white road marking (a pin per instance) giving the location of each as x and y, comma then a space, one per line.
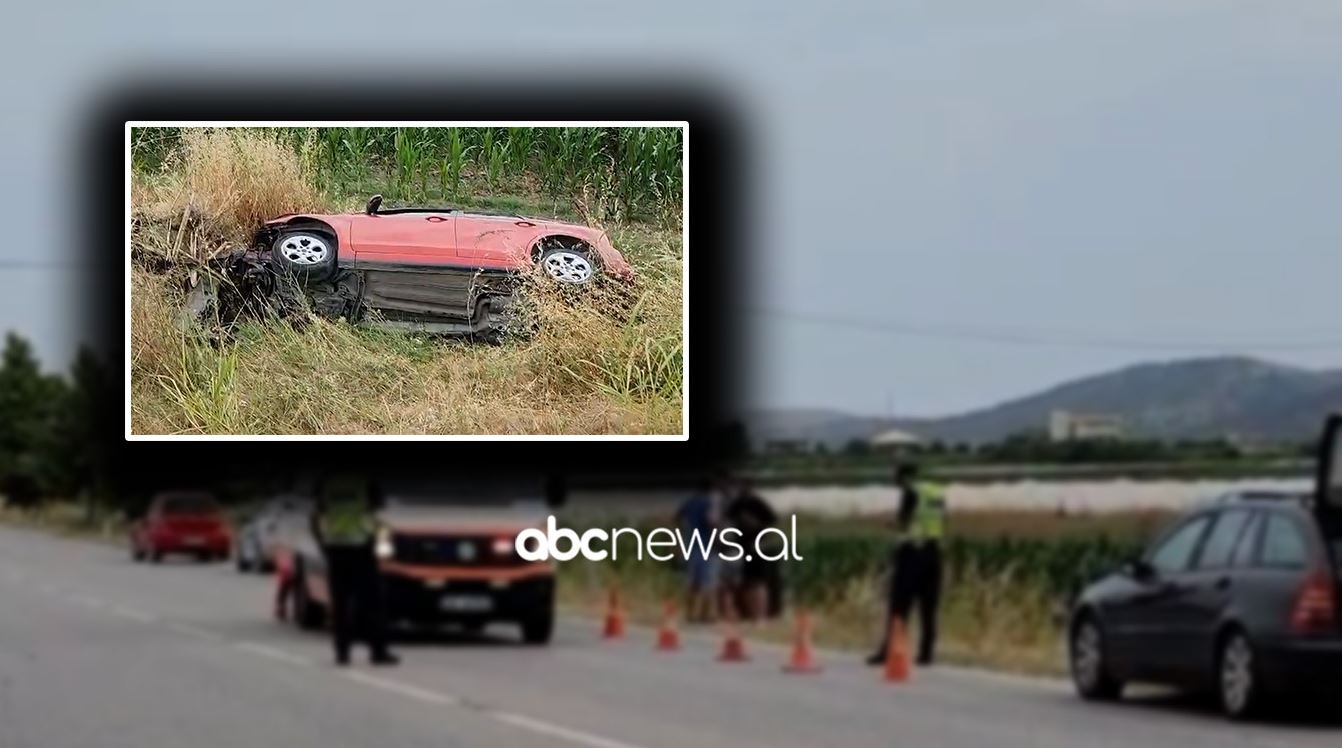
550, 729
85, 600
274, 653
539, 726
402, 689
189, 630
132, 614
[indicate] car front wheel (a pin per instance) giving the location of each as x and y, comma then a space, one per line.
568, 263
1090, 668
307, 254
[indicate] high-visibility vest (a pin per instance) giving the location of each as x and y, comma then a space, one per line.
929, 517
345, 518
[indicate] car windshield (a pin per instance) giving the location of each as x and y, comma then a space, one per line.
189, 504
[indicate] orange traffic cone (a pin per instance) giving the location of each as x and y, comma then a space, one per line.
897, 653
733, 647
668, 638
614, 628
803, 661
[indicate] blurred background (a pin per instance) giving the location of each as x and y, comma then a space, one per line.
1076, 257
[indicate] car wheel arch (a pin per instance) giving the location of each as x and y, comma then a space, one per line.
1227, 628
538, 246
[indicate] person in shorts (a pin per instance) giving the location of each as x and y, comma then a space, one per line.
700, 514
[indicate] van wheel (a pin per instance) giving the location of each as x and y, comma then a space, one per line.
1238, 684
538, 628
1090, 668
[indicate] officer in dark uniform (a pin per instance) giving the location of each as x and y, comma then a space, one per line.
344, 522
921, 525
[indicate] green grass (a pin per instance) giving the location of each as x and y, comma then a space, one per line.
618, 173
1010, 577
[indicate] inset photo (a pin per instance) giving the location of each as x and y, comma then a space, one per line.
407, 280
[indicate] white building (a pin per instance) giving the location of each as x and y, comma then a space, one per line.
894, 439
1066, 426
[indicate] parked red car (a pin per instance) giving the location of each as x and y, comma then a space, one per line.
181, 522
435, 270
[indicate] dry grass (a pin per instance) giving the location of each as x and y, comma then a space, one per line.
986, 621
610, 362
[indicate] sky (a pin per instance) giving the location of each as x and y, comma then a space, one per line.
956, 203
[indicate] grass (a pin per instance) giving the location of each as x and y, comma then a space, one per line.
612, 363
1001, 608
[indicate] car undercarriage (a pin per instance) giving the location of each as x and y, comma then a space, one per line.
435, 299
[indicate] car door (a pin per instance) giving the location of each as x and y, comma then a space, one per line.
495, 241
1153, 621
405, 239
1212, 584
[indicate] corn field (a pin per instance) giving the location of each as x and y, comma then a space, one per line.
619, 173
1056, 567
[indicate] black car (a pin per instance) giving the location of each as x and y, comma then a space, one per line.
1240, 598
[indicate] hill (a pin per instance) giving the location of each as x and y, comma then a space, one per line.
1202, 398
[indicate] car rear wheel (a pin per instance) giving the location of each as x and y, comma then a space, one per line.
308, 615
568, 263
1090, 669
307, 253
136, 552
1238, 684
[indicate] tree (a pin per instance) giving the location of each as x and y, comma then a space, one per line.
81, 433
31, 404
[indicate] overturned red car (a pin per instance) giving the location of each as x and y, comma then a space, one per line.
435, 270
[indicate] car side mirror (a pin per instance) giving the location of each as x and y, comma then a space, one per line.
1140, 570
374, 203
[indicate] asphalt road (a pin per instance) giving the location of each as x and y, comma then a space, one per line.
98, 652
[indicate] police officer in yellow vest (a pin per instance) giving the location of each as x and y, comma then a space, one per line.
921, 524
344, 522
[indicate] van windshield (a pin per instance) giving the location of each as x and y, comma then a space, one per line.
462, 491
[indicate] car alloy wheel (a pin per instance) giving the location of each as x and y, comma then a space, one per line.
568, 267
1237, 676
1086, 657
1090, 672
304, 249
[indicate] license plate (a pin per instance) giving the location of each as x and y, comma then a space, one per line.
194, 540
466, 603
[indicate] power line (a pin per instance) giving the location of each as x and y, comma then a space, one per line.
1038, 337
32, 264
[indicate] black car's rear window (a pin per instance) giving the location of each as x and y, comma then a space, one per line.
1284, 546
1220, 543
189, 505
